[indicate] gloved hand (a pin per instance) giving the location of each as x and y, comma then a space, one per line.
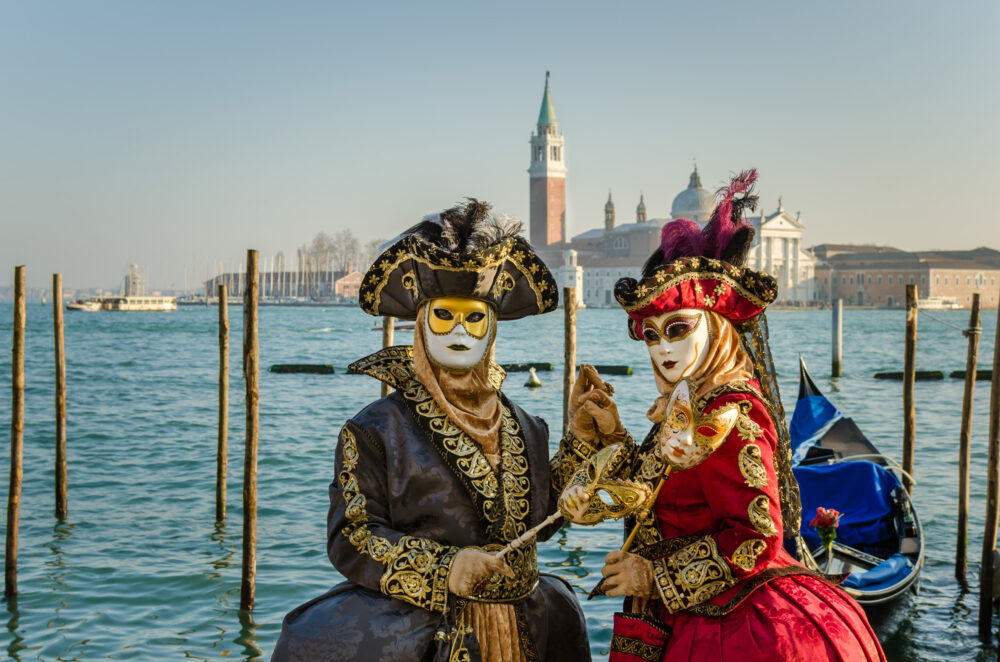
573, 503
472, 567
600, 408
593, 415
627, 574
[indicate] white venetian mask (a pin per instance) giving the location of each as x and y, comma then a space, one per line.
686, 436
677, 342
457, 331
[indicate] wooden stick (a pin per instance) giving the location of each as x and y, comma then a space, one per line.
251, 376
62, 499
222, 451
16, 437
992, 489
388, 333
973, 333
627, 545
909, 371
529, 534
569, 362
837, 336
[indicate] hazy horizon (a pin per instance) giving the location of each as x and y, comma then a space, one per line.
175, 135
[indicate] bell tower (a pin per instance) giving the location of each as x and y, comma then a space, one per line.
609, 214
547, 177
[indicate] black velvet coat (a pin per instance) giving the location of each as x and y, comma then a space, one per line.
411, 490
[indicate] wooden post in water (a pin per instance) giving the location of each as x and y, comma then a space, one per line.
16, 437
388, 333
973, 333
62, 500
987, 568
222, 451
569, 362
251, 376
909, 372
836, 363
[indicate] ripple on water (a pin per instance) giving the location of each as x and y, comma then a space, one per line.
141, 571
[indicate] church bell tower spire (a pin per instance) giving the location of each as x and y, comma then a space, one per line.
547, 177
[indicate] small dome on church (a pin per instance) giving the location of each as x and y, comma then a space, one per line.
642, 203
609, 205
694, 202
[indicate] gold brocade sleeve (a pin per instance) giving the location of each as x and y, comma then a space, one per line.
572, 451
362, 544
693, 574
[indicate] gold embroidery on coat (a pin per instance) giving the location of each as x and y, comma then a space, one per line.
692, 575
416, 568
759, 512
752, 466
747, 429
746, 554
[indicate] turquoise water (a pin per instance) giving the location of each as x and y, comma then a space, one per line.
141, 571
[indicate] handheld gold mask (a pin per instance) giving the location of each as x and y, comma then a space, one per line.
610, 498
445, 313
687, 436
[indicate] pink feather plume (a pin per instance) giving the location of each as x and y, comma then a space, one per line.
721, 228
681, 238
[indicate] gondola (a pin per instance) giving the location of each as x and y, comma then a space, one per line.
879, 540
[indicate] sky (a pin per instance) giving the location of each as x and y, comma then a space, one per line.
177, 134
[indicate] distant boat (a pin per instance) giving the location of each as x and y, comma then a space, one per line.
84, 305
940, 303
398, 326
880, 543
140, 303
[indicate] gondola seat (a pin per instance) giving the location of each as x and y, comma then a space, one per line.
885, 575
861, 491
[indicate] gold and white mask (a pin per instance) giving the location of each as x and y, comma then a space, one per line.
677, 342
457, 331
687, 437
610, 498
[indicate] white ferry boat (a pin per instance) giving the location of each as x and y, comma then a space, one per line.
940, 303
87, 305
138, 303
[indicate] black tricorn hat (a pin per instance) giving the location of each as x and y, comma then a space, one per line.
463, 251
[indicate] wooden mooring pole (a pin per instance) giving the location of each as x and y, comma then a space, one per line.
222, 451
987, 568
251, 376
569, 362
62, 499
837, 345
388, 333
16, 437
909, 373
964, 450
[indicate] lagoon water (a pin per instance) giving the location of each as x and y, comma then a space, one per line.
141, 571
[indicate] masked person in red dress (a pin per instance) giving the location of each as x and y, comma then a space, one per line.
708, 577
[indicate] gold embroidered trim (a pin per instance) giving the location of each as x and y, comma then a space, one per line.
524, 563
636, 647
759, 512
502, 502
692, 575
416, 568
524, 634
758, 288
572, 451
394, 366
747, 428
749, 586
746, 554
417, 572
752, 466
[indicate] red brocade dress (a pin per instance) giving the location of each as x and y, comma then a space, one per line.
724, 586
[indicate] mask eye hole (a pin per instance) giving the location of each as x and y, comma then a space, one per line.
707, 431
678, 330
606, 498
443, 314
475, 317
650, 335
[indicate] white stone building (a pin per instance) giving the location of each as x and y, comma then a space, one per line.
777, 250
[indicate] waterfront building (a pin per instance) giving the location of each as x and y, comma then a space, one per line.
878, 275
347, 287
777, 250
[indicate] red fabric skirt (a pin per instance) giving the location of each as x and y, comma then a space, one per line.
791, 618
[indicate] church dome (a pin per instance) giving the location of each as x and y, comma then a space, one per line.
694, 202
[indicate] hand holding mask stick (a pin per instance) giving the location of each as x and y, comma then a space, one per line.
686, 438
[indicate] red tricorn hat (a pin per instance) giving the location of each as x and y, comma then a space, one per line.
702, 269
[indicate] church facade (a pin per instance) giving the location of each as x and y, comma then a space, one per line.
594, 260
